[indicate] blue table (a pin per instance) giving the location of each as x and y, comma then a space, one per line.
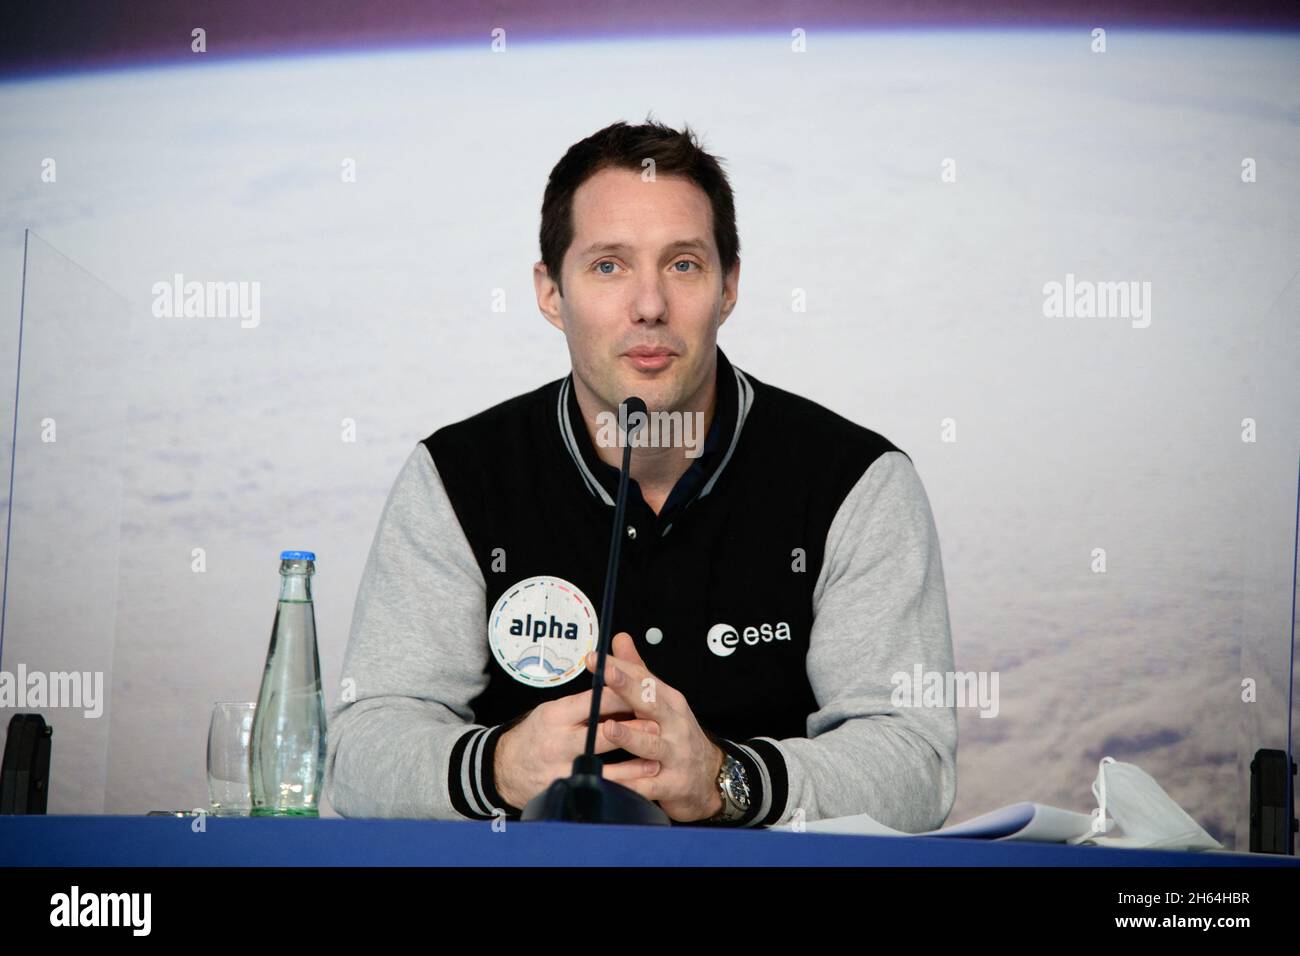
83, 841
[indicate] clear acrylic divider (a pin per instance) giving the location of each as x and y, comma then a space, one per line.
61, 568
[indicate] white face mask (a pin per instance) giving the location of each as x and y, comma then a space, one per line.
1140, 807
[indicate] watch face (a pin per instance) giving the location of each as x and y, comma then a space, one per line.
737, 784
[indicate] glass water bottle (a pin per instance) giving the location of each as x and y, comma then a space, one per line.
287, 748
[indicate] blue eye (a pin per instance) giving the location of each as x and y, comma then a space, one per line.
679, 262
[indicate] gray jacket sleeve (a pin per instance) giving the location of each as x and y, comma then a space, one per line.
401, 739
880, 609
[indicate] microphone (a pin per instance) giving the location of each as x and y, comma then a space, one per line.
585, 796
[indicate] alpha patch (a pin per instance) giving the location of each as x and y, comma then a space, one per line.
542, 630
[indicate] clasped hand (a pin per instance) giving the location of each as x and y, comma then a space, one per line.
674, 762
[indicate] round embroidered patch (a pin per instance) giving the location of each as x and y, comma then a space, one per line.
542, 630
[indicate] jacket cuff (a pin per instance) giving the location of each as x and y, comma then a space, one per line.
471, 782
768, 780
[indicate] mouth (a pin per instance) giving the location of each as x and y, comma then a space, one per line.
647, 359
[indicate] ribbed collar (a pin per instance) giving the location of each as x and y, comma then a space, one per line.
735, 395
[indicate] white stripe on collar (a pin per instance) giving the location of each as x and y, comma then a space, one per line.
744, 401
566, 429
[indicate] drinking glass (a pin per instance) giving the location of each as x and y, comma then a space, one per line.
228, 763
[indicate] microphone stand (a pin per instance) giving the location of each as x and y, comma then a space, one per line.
586, 796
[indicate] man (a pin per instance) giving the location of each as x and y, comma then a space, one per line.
773, 580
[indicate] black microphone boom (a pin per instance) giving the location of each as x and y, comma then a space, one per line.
586, 796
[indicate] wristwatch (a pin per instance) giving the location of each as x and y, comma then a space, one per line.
733, 787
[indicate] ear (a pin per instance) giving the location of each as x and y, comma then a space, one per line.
548, 295
730, 292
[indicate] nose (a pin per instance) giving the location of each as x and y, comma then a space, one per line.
650, 304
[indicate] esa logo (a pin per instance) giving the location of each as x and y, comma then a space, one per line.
723, 639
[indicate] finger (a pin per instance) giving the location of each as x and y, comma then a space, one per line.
577, 737
636, 723
644, 693
576, 708
627, 772
612, 675
619, 687
635, 740
634, 671
648, 785
625, 648
603, 744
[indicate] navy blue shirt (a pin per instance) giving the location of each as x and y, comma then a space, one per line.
692, 480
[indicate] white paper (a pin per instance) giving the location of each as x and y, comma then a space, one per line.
1034, 822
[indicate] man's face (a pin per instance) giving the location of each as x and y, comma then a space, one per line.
644, 292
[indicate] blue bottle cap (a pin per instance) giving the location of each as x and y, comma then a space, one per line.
298, 555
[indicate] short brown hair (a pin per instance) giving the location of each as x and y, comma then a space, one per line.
622, 146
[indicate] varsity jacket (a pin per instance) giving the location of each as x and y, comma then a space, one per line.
791, 577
